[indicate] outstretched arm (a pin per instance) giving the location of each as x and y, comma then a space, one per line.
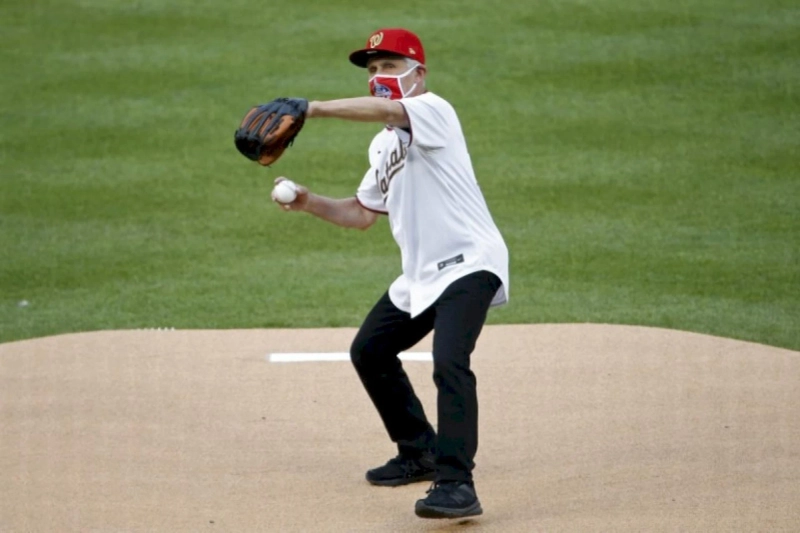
361, 109
345, 212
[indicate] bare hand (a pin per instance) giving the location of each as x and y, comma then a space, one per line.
299, 203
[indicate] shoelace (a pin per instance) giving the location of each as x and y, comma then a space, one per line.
403, 462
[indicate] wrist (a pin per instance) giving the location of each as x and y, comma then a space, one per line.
308, 206
313, 109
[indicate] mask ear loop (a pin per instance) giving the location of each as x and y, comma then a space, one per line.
411, 90
400, 82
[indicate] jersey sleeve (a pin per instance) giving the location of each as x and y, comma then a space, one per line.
431, 120
368, 194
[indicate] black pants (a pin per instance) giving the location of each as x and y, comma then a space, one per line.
456, 318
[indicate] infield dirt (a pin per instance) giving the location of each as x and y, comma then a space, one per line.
583, 428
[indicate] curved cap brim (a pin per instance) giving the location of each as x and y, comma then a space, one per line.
360, 58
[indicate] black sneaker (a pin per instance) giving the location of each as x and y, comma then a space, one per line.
449, 499
403, 470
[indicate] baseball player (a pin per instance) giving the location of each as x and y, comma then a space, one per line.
454, 267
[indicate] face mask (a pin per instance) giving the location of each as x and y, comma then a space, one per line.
389, 86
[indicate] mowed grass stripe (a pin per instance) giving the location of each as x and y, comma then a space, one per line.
639, 158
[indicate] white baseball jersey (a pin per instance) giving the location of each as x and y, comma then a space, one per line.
424, 181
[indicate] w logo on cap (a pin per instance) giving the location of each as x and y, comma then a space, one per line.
376, 39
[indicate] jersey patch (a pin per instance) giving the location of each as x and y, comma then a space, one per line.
452, 261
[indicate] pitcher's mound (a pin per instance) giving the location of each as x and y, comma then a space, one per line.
583, 428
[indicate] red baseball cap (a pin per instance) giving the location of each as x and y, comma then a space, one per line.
391, 40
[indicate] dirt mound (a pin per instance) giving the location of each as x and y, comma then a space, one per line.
583, 427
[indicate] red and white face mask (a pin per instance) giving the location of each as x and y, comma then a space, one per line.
390, 86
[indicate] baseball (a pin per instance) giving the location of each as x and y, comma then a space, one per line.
285, 192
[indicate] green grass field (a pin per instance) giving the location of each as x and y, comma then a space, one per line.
641, 159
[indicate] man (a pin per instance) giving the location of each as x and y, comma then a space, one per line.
455, 266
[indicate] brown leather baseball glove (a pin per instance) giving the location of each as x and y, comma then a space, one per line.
269, 129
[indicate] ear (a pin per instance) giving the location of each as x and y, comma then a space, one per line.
420, 73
